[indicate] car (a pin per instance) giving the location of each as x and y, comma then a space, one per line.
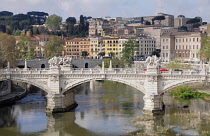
163, 69
177, 69
194, 70
145, 69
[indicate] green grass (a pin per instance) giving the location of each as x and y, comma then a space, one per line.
187, 92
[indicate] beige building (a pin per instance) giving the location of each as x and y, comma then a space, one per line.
168, 22
96, 46
181, 45
205, 29
156, 32
99, 27
145, 46
181, 20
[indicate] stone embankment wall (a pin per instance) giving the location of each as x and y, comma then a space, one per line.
5, 87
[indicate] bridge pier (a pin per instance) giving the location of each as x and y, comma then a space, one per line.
153, 105
153, 101
61, 102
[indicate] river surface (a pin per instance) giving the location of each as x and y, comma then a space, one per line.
105, 109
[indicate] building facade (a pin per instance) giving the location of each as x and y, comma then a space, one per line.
182, 45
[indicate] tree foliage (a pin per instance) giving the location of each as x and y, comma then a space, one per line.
8, 50
26, 48
193, 21
84, 54
205, 48
53, 22
158, 18
54, 47
128, 52
101, 54
38, 18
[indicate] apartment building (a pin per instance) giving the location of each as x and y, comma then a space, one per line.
156, 33
99, 27
96, 46
181, 45
111, 46
145, 46
74, 47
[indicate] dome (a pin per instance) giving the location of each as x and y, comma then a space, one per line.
181, 16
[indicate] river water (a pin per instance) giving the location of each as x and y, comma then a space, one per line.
105, 109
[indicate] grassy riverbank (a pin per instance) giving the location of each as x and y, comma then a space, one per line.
187, 92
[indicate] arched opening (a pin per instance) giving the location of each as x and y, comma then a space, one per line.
106, 99
43, 66
86, 65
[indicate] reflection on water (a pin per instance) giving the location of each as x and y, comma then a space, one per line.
105, 108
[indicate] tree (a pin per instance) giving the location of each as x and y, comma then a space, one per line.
8, 50
156, 52
71, 20
101, 54
184, 28
26, 48
54, 47
53, 22
128, 52
205, 48
84, 54
159, 19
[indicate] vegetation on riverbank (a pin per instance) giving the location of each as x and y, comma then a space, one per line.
187, 92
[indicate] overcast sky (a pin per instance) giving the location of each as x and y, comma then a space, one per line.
112, 8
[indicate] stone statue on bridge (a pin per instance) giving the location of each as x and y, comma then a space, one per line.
57, 61
153, 61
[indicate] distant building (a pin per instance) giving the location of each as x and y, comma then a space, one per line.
99, 27
181, 45
74, 47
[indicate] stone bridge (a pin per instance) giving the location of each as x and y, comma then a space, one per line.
59, 80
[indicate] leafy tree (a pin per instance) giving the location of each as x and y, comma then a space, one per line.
101, 54
53, 22
54, 47
25, 47
156, 52
184, 28
17, 33
8, 50
205, 48
159, 19
147, 23
128, 52
71, 20
38, 18
84, 54
117, 63
6, 13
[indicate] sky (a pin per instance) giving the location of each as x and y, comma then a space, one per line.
112, 8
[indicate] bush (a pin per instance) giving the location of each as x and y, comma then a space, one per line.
187, 92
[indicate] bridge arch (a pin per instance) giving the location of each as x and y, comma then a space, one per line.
79, 82
179, 83
31, 82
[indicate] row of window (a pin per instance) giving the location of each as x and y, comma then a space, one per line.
186, 47
183, 40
